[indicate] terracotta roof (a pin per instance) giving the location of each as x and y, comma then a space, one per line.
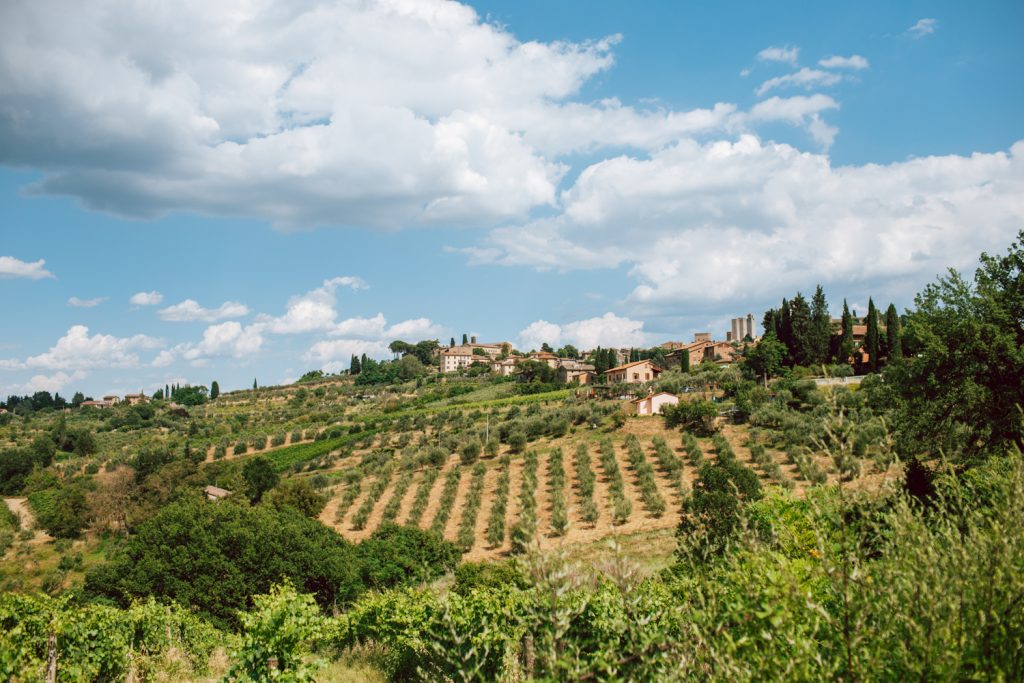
634, 363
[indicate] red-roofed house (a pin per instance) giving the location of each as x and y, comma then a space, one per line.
637, 371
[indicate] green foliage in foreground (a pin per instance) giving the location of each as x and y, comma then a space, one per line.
97, 642
830, 587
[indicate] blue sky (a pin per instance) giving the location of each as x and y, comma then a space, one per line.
296, 186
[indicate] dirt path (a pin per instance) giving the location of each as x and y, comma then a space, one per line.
484, 513
377, 513
451, 529
435, 497
23, 511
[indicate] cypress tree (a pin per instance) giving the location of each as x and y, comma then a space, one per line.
465, 338
846, 341
801, 332
214, 390
871, 341
354, 368
785, 330
770, 321
684, 361
821, 327
363, 362
452, 344
254, 385
893, 344
600, 361
613, 358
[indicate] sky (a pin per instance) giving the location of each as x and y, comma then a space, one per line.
239, 190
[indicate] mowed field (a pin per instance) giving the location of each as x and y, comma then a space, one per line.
418, 497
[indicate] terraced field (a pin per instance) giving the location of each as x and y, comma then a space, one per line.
559, 500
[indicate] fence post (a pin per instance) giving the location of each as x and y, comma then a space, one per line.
51, 656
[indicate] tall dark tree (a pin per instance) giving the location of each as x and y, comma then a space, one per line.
801, 349
77, 399
452, 343
871, 339
465, 338
785, 328
254, 385
354, 368
214, 390
600, 361
893, 345
821, 327
846, 335
259, 477
613, 358
684, 360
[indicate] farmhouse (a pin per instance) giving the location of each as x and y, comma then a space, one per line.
462, 356
550, 359
506, 367
456, 358
112, 399
95, 404
136, 399
651, 405
571, 370
638, 371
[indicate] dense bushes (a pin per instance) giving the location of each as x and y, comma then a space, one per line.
697, 416
215, 556
394, 555
713, 511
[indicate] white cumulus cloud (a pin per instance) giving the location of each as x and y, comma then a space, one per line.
228, 339
58, 381
698, 223
788, 54
840, 62
313, 311
78, 350
11, 267
146, 298
190, 310
804, 78
608, 330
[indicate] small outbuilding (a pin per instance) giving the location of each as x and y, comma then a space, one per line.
216, 493
652, 404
